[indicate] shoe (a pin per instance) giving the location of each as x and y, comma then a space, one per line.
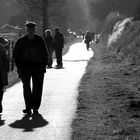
27, 111
49, 67
59, 66
35, 112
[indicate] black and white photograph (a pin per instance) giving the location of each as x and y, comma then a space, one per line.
69, 69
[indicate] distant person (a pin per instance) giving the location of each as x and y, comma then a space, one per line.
83, 35
4, 69
31, 56
88, 39
49, 39
58, 43
97, 38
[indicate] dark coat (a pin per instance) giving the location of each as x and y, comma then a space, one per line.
49, 40
58, 40
87, 38
4, 66
30, 54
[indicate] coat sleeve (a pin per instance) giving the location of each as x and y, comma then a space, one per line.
4, 57
16, 53
4, 65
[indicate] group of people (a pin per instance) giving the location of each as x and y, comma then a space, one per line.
32, 54
56, 44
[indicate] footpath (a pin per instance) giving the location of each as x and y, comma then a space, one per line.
109, 100
58, 104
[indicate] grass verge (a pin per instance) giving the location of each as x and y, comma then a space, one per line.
109, 100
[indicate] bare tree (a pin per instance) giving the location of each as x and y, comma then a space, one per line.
41, 7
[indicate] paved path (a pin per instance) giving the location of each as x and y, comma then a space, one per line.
58, 102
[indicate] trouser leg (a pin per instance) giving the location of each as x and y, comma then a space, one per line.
26, 78
1, 97
50, 57
59, 57
52, 51
87, 45
1, 94
37, 79
56, 55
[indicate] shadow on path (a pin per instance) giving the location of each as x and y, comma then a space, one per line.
29, 122
1, 121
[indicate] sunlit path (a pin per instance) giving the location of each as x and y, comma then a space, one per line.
78, 51
58, 102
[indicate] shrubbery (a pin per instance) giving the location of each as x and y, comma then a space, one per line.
109, 24
126, 43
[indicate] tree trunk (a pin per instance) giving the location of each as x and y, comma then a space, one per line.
45, 16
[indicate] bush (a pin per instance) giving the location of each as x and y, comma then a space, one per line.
109, 24
126, 43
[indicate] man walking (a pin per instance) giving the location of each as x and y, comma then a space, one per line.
58, 43
88, 39
31, 56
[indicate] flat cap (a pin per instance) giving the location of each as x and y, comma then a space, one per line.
30, 24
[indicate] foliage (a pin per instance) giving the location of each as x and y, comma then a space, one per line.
37, 10
60, 13
126, 45
8, 9
76, 16
101, 8
109, 24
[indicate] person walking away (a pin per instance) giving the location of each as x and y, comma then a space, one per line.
4, 69
97, 38
31, 55
48, 39
87, 40
58, 43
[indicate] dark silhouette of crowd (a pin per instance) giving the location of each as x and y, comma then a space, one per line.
32, 54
